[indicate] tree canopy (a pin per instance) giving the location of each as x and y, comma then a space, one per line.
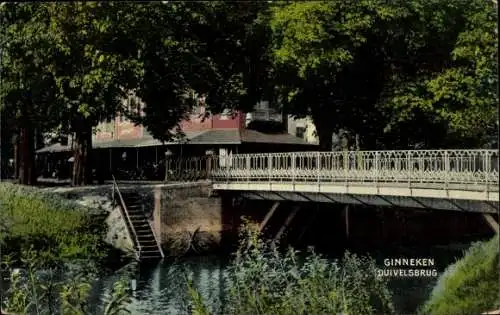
380, 69
208, 48
400, 74
461, 95
27, 85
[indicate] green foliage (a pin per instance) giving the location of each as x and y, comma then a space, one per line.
118, 299
60, 230
264, 281
470, 286
392, 72
198, 304
32, 293
190, 49
65, 68
322, 52
461, 94
27, 86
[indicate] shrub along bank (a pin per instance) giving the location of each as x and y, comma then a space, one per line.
58, 229
471, 285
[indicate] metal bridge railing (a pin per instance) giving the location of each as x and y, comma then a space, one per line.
188, 169
470, 167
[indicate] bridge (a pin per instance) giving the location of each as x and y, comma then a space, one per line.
461, 180
456, 180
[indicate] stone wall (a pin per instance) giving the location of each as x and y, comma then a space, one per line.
187, 219
184, 216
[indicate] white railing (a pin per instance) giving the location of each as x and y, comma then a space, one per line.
443, 167
264, 114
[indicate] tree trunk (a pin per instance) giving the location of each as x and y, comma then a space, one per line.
82, 152
16, 159
26, 156
324, 129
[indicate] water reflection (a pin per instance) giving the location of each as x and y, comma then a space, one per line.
162, 288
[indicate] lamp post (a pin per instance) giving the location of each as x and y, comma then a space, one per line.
168, 154
209, 154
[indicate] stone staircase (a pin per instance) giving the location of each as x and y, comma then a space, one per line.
149, 248
146, 245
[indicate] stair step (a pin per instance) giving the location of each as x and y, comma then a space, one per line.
143, 234
136, 216
134, 205
150, 251
146, 248
141, 226
146, 242
147, 257
138, 221
135, 209
149, 244
132, 198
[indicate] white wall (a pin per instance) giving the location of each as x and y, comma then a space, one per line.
307, 123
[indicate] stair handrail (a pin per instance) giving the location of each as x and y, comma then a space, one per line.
156, 239
125, 212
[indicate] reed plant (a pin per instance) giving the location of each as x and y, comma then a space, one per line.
262, 279
59, 290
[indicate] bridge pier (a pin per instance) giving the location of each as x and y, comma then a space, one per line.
287, 223
309, 223
268, 216
346, 218
491, 222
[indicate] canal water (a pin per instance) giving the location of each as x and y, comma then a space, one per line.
162, 288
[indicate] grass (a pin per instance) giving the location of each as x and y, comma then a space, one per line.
58, 229
471, 285
263, 280
60, 246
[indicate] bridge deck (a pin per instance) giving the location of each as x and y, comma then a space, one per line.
449, 174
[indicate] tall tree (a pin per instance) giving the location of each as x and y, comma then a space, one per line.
325, 65
188, 49
460, 98
93, 71
27, 87
339, 61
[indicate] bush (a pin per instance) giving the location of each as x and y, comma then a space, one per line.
63, 291
470, 286
60, 230
264, 281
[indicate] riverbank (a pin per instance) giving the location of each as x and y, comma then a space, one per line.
469, 286
58, 229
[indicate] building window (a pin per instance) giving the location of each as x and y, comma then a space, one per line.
300, 132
